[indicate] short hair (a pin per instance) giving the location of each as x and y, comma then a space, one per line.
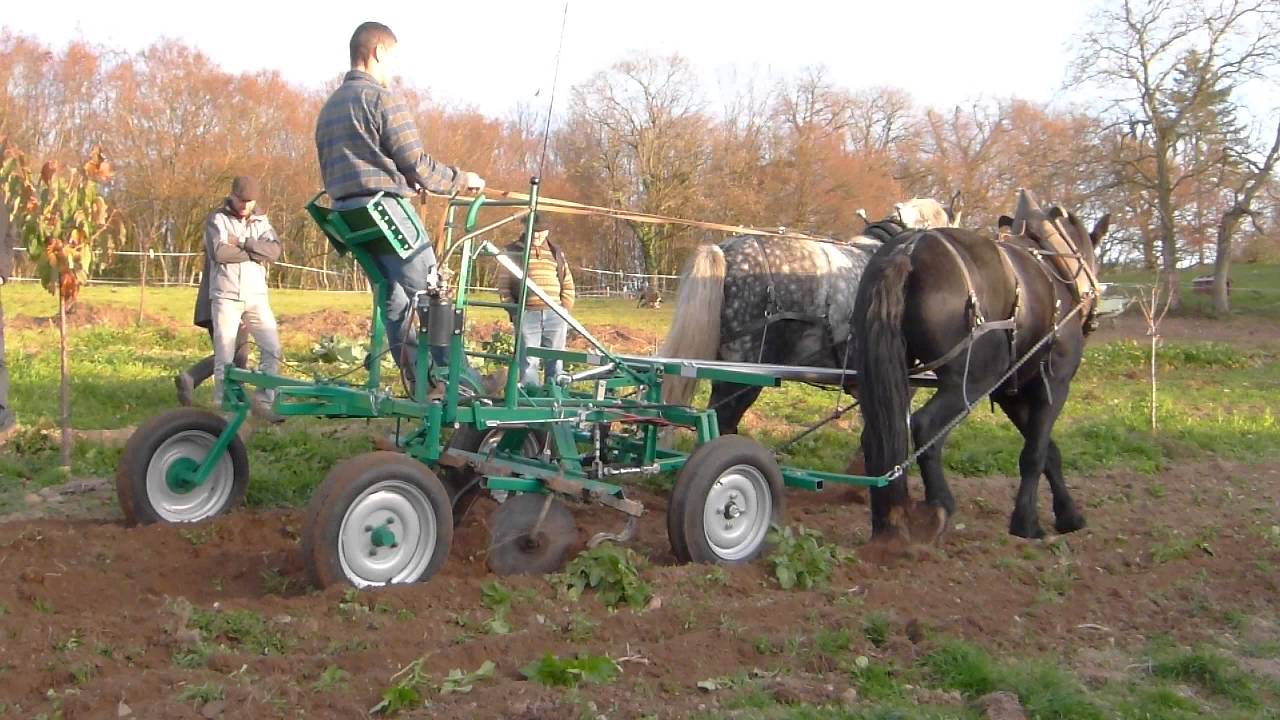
367, 37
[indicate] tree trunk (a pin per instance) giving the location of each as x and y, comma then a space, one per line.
1155, 340
1222, 263
1168, 239
66, 383
1149, 260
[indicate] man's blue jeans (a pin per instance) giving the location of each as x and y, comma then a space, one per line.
405, 277
541, 328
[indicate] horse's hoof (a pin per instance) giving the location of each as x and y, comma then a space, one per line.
887, 550
1068, 523
1030, 533
928, 523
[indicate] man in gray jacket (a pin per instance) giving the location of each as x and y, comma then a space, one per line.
238, 243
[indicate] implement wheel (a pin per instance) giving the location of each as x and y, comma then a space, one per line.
464, 483
725, 499
531, 534
377, 519
154, 480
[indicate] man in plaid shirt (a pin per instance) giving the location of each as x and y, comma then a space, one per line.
368, 143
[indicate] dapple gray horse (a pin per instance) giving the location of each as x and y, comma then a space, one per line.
781, 301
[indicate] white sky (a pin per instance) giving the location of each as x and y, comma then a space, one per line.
503, 51
494, 54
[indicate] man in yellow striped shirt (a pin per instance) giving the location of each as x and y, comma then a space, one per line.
541, 326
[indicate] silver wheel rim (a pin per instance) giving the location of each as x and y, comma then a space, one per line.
737, 511
200, 502
404, 510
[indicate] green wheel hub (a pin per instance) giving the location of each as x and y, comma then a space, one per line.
382, 536
180, 476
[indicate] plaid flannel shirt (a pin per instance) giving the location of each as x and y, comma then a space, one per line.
368, 143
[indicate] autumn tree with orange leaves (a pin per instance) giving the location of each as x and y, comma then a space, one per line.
65, 223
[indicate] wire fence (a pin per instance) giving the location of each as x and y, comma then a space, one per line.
592, 282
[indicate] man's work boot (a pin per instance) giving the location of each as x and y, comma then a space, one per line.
186, 386
261, 408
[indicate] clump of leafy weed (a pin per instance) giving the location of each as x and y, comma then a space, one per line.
800, 559
405, 692
244, 628
554, 671
612, 572
332, 678
458, 681
875, 627
204, 693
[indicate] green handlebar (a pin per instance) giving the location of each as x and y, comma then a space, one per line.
472, 212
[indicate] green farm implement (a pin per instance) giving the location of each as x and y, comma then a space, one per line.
388, 517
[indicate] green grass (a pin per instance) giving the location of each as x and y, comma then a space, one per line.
963, 666
242, 629
1207, 669
1215, 400
176, 303
1046, 690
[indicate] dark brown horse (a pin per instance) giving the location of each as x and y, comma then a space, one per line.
972, 309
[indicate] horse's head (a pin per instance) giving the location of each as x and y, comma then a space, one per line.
1057, 227
922, 214
1086, 240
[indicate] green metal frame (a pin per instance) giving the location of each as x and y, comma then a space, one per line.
625, 391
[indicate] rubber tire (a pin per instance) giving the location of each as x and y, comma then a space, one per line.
131, 473
340, 488
461, 482
705, 465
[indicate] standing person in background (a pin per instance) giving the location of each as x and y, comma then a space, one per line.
367, 143
8, 239
238, 243
541, 326
188, 380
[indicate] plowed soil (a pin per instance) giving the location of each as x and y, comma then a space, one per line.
95, 617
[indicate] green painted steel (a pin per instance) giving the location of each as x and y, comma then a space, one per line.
625, 395
201, 474
382, 536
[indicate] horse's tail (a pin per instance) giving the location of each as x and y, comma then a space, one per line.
882, 361
695, 330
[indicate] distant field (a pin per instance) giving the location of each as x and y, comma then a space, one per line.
1255, 289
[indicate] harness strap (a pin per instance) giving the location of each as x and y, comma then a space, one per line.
979, 325
977, 319
977, 332
771, 316
769, 288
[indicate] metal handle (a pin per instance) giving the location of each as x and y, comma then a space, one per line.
472, 212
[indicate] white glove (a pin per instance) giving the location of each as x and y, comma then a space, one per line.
475, 183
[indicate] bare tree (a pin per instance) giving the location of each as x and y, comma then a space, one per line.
645, 126
1138, 50
1253, 180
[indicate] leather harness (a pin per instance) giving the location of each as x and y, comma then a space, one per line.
978, 324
